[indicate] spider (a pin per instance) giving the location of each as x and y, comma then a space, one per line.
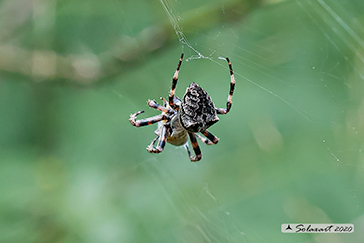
185, 118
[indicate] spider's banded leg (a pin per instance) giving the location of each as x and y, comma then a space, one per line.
162, 141
174, 83
188, 150
146, 121
151, 145
195, 147
204, 140
230, 96
213, 139
155, 105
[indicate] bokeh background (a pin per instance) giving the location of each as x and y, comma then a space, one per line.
72, 168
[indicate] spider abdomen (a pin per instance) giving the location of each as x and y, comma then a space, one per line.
197, 111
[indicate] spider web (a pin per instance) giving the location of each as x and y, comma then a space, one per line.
298, 67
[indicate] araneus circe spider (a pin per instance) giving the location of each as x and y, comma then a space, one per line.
185, 118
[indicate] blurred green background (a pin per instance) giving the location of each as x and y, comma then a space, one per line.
73, 169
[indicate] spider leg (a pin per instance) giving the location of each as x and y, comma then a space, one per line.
195, 147
210, 138
188, 149
162, 140
151, 145
174, 83
155, 105
230, 96
204, 140
146, 121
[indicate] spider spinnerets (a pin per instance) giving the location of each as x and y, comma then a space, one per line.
185, 118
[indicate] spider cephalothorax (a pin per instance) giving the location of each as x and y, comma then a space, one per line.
184, 118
